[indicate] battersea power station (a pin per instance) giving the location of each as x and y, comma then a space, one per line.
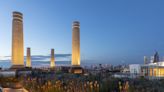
18, 46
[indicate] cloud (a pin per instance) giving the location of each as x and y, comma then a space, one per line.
5, 58
58, 57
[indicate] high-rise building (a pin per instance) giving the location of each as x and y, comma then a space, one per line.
145, 60
156, 57
17, 41
76, 44
52, 61
28, 58
152, 59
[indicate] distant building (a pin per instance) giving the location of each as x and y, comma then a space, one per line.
145, 60
152, 70
151, 59
156, 58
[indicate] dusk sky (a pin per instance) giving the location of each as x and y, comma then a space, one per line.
112, 31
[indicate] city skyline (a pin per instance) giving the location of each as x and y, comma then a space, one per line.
115, 33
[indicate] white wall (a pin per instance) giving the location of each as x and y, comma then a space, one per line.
135, 68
